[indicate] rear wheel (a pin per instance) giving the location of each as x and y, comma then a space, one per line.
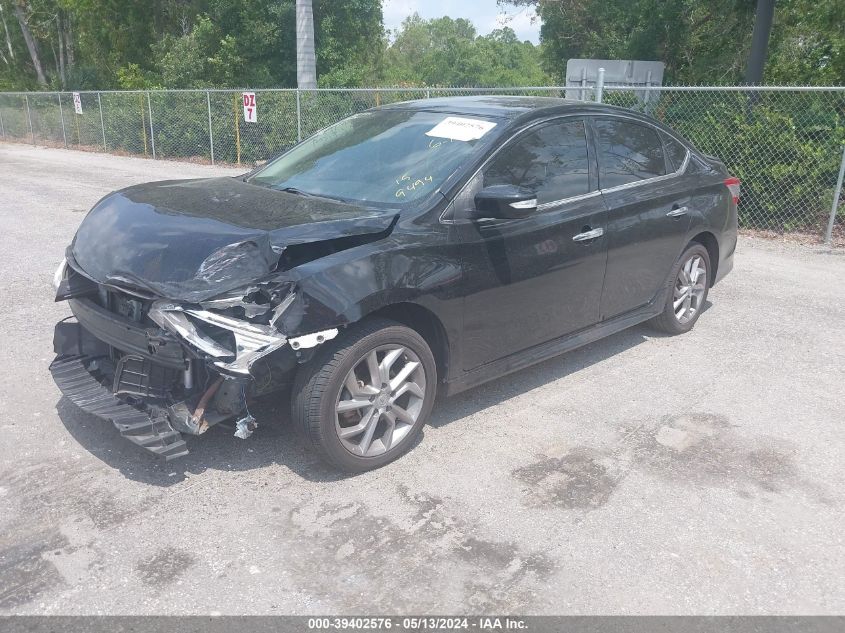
686, 291
363, 399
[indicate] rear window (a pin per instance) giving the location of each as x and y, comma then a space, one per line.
628, 152
676, 152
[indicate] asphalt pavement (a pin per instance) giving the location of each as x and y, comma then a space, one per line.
642, 474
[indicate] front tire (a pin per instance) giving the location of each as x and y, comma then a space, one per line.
686, 291
364, 398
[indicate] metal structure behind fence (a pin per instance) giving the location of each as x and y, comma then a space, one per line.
785, 144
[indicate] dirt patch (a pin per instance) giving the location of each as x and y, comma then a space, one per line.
50, 493
365, 550
802, 236
690, 449
51, 496
708, 450
164, 567
24, 572
580, 479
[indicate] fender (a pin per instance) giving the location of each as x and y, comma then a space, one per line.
343, 288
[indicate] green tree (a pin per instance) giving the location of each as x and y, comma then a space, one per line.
110, 35
99, 44
516, 63
700, 41
200, 58
807, 43
349, 41
447, 52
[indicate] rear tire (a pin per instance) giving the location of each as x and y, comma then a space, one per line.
685, 292
364, 398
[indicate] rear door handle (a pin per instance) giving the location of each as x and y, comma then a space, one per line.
588, 235
678, 212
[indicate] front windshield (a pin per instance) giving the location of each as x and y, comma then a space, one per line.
384, 156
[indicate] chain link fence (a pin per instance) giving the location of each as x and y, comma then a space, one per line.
785, 144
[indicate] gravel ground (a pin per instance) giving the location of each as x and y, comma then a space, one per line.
641, 474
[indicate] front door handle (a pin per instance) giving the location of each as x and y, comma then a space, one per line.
677, 212
588, 235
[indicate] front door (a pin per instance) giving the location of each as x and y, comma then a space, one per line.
537, 278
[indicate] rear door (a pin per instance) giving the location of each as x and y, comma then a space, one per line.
648, 211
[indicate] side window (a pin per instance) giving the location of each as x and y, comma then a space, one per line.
551, 161
628, 152
675, 152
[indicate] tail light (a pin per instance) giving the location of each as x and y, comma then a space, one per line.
732, 183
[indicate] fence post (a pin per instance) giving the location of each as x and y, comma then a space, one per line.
102, 125
62, 117
143, 122
237, 130
298, 118
600, 86
2, 127
428, 93
152, 132
29, 118
210, 131
76, 124
828, 236
582, 94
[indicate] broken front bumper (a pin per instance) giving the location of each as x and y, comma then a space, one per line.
158, 368
133, 377
130, 388
155, 384
81, 385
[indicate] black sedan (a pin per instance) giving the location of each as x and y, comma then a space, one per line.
415, 248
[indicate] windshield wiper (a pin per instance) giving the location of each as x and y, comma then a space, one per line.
304, 194
295, 191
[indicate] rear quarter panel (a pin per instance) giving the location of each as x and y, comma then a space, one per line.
713, 211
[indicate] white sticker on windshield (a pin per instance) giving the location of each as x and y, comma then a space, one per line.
459, 129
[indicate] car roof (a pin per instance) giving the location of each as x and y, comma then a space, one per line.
509, 107
519, 110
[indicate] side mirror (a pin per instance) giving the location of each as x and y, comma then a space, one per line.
507, 202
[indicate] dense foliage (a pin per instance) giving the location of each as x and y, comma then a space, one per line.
101, 44
449, 52
700, 41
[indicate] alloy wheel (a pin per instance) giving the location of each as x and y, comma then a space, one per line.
380, 400
690, 288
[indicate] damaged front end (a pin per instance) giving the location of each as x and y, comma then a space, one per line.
188, 300
158, 368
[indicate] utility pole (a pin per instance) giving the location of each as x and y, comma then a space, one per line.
306, 65
760, 42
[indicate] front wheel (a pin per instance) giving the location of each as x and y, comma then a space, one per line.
364, 398
686, 293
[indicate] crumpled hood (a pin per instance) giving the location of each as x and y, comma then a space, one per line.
193, 239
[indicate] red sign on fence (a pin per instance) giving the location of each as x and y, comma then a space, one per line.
250, 113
